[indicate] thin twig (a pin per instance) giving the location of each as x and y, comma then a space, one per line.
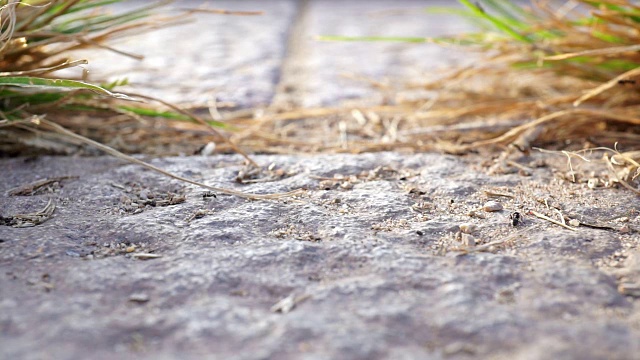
608, 85
497, 194
624, 183
596, 52
541, 216
61, 130
560, 216
201, 121
64, 65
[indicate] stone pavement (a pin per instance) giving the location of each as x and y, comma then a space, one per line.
369, 263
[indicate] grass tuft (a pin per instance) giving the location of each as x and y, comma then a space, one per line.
563, 75
39, 108
37, 39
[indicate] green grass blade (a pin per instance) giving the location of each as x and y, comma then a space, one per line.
92, 23
604, 4
172, 115
510, 11
15, 98
464, 40
607, 37
57, 85
154, 113
118, 82
86, 5
617, 65
505, 15
460, 13
497, 23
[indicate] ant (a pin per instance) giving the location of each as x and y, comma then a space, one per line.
516, 218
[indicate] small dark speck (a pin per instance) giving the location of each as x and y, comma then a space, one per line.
419, 232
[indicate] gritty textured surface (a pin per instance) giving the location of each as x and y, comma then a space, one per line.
370, 263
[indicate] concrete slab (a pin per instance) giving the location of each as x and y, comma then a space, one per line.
369, 263
385, 255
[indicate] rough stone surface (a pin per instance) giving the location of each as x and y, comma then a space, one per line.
372, 271
368, 263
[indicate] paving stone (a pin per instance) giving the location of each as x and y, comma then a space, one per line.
362, 282
368, 263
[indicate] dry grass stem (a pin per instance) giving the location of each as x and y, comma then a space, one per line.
561, 75
59, 129
621, 181
544, 217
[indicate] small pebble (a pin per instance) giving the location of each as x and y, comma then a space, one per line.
475, 214
468, 228
125, 199
131, 249
524, 172
346, 185
208, 149
574, 222
144, 195
139, 297
468, 240
629, 289
72, 253
145, 256
492, 206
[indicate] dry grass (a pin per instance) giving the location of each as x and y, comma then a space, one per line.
567, 72
40, 109
554, 74
36, 40
559, 75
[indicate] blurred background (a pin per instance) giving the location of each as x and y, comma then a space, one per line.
254, 60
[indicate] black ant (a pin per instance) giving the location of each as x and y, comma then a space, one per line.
209, 194
516, 218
